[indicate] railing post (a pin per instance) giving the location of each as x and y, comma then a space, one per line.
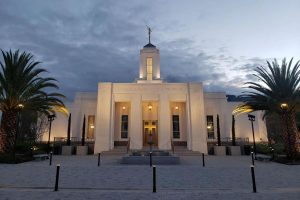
57, 177
150, 157
154, 179
99, 154
253, 178
252, 156
50, 159
203, 160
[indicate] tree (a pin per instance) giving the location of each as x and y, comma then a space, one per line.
218, 131
233, 131
277, 91
22, 86
69, 131
83, 132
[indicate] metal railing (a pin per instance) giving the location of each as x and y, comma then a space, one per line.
73, 140
128, 145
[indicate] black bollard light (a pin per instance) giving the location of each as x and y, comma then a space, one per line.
50, 160
203, 160
154, 178
273, 154
252, 156
99, 154
57, 177
150, 157
253, 178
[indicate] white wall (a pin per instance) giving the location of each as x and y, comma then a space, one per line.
216, 103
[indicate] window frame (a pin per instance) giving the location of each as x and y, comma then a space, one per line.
124, 124
176, 133
211, 132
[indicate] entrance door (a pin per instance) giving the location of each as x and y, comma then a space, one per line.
150, 132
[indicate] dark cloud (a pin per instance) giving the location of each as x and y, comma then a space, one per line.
84, 42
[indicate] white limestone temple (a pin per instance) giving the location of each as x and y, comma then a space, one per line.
152, 109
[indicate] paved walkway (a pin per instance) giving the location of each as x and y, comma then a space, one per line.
222, 178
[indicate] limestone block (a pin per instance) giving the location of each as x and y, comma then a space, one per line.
235, 150
66, 150
220, 150
81, 150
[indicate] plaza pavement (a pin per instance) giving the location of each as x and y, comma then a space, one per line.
225, 177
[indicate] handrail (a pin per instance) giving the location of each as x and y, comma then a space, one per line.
172, 146
128, 145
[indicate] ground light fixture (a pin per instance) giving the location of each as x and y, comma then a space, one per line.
252, 119
50, 119
19, 109
284, 107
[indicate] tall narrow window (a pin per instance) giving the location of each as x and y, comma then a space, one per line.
176, 129
210, 127
91, 126
124, 126
149, 69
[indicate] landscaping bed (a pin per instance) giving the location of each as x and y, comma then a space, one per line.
11, 159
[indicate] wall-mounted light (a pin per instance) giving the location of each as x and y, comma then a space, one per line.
149, 107
176, 107
92, 126
209, 127
123, 107
284, 106
20, 106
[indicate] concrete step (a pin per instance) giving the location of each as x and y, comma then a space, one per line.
180, 151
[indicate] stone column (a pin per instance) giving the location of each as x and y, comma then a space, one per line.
103, 132
136, 128
198, 137
164, 123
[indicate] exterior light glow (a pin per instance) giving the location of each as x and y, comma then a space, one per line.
123, 107
92, 126
209, 127
284, 106
176, 107
21, 106
149, 107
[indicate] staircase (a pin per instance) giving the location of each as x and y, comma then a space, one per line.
117, 151
179, 150
183, 151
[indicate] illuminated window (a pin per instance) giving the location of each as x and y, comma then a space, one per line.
91, 127
210, 127
149, 69
124, 126
176, 130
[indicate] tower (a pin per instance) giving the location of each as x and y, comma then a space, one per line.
149, 63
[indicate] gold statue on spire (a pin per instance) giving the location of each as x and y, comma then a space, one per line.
149, 33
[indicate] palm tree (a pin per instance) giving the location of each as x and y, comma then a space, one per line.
23, 87
277, 91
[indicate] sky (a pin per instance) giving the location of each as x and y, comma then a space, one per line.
216, 42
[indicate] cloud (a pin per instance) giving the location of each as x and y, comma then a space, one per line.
84, 42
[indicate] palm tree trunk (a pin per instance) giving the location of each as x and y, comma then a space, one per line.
8, 130
290, 132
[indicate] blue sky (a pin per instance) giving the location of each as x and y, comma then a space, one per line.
218, 43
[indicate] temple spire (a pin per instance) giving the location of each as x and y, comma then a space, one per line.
149, 33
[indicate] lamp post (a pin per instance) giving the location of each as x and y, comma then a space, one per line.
50, 119
19, 109
252, 119
284, 107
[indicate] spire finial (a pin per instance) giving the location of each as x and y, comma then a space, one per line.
149, 33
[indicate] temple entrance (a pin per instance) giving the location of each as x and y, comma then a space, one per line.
150, 133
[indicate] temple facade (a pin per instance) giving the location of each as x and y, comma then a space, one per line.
152, 111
